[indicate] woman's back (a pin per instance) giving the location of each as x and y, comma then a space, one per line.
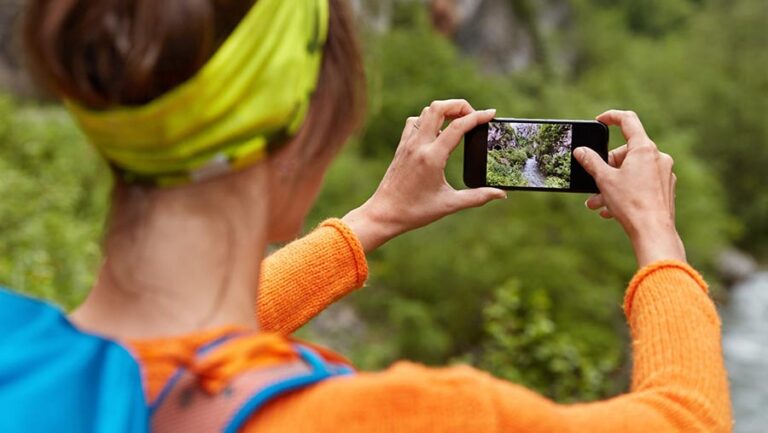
674, 325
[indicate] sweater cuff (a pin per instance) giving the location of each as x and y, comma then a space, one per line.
355, 247
664, 269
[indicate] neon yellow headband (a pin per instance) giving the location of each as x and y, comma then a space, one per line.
254, 92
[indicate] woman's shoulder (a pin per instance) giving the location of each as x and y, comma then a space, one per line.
406, 397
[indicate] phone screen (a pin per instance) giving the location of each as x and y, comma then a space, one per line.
529, 155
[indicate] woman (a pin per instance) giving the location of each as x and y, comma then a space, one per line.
203, 109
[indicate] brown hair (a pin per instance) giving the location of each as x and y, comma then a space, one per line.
107, 53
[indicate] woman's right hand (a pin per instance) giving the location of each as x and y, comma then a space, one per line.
637, 188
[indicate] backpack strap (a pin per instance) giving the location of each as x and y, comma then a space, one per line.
184, 407
181, 372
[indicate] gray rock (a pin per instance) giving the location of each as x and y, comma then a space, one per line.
734, 265
14, 77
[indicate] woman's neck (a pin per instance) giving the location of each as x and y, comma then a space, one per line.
182, 267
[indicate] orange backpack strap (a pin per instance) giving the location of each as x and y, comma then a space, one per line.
183, 407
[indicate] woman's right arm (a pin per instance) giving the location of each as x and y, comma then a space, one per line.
637, 188
679, 382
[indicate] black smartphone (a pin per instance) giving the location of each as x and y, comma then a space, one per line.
532, 154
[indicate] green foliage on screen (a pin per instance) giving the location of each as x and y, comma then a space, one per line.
505, 167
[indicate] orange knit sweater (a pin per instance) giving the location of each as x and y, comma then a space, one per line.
678, 383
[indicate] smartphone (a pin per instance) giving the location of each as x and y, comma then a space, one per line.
532, 154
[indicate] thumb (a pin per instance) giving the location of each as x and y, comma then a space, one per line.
591, 161
476, 197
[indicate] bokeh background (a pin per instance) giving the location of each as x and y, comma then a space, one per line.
529, 288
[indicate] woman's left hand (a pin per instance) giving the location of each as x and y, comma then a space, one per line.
414, 191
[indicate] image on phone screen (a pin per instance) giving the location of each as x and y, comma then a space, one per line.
532, 155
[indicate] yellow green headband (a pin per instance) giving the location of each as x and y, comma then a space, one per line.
254, 92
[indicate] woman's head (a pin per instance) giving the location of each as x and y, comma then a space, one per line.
112, 53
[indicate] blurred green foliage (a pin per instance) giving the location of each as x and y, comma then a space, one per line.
53, 196
529, 288
526, 346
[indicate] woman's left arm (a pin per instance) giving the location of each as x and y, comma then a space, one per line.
306, 276
303, 278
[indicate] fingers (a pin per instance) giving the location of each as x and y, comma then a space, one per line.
467, 198
664, 165
605, 213
592, 162
616, 156
433, 117
630, 124
452, 135
408, 129
595, 202
666, 161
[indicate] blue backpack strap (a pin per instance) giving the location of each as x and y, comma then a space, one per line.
54, 377
319, 370
184, 407
177, 375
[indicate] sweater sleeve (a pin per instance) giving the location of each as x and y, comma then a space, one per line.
303, 278
678, 384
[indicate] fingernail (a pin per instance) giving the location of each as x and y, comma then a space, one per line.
585, 204
491, 111
578, 152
